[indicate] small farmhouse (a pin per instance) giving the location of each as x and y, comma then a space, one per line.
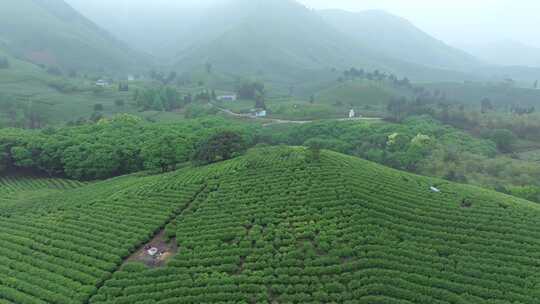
261, 113
352, 114
227, 97
102, 83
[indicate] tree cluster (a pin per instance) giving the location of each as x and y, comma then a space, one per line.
376, 75
117, 146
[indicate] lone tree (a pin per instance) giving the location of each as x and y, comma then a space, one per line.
219, 147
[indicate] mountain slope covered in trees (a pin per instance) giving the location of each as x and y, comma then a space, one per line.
51, 33
279, 224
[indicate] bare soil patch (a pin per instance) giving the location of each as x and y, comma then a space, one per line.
164, 251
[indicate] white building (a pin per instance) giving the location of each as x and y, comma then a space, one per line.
102, 83
261, 113
227, 97
352, 114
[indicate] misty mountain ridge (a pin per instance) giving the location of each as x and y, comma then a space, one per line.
284, 37
280, 40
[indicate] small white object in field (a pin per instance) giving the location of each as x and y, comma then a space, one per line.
152, 251
435, 189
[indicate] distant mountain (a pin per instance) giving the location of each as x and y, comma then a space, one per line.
398, 38
282, 38
273, 37
507, 53
52, 33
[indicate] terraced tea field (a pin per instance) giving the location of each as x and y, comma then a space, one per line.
14, 189
275, 226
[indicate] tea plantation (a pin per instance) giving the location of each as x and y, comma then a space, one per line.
278, 225
15, 190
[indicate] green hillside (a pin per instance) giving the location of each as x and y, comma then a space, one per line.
27, 89
278, 225
53, 34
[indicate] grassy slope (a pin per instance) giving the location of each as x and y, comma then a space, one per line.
56, 35
273, 226
24, 82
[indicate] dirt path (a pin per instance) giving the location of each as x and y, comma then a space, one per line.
274, 121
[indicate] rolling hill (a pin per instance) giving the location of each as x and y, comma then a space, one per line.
276, 225
51, 33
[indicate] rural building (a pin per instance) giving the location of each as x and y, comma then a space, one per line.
227, 97
102, 83
261, 113
352, 114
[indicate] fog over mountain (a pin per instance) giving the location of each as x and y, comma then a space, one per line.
481, 20
459, 21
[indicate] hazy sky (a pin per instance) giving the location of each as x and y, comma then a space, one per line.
457, 22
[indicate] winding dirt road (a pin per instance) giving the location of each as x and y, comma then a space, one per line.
273, 121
